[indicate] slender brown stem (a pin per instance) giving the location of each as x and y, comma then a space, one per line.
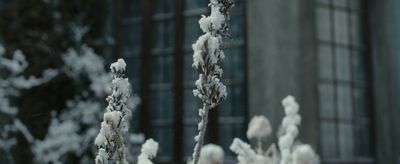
202, 132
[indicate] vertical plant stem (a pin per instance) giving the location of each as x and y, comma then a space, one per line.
202, 132
259, 147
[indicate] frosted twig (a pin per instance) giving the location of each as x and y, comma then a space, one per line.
206, 57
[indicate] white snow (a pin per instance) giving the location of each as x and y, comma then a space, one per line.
64, 139
17, 64
148, 151
304, 154
289, 128
259, 128
211, 154
207, 54
291, 152
246, 155
112, 117
119, 65
116, 118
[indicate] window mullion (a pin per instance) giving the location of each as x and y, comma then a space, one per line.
178, 87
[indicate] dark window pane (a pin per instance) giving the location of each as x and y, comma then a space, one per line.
328, 133
356, 31
361, 103
239, 100
191, 105
362, 140
163, 69
325, 2
355, 4
132, 8
359, 66
341, 27
344, 102
324, 24
234, 64
236, 25
133, 72
346, 141
162, 105
190, 75
325, 62
195, 4
164, 34
340, 3
131, 39
342, 64
164, 6
192, 31
327, 103
188, 144
165, 137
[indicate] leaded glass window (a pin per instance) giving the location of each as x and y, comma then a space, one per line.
344, 89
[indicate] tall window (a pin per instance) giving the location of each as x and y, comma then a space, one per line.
156, 42
344, 88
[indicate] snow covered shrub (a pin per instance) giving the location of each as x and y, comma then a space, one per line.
291, 152
148, 151
259, 129
61, 38
12, 83
113, 133
73, 130
207, 55
246, 155
211, 154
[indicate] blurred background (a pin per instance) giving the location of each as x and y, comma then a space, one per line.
339, 58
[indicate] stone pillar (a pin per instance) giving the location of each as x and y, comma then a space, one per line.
282, 61
384, 24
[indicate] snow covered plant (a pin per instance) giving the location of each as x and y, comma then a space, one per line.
148, 151
80, 118
12, 83
110, 140
206, 57
72, 130
259, 129
291, 152
12, 80
211, 154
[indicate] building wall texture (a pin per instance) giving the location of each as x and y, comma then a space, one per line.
281, 61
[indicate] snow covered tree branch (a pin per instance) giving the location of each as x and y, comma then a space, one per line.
110, 140
207, 55
12, 83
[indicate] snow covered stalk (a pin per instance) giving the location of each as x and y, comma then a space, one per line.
207, 55
290, 129
110, 140
259, 129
